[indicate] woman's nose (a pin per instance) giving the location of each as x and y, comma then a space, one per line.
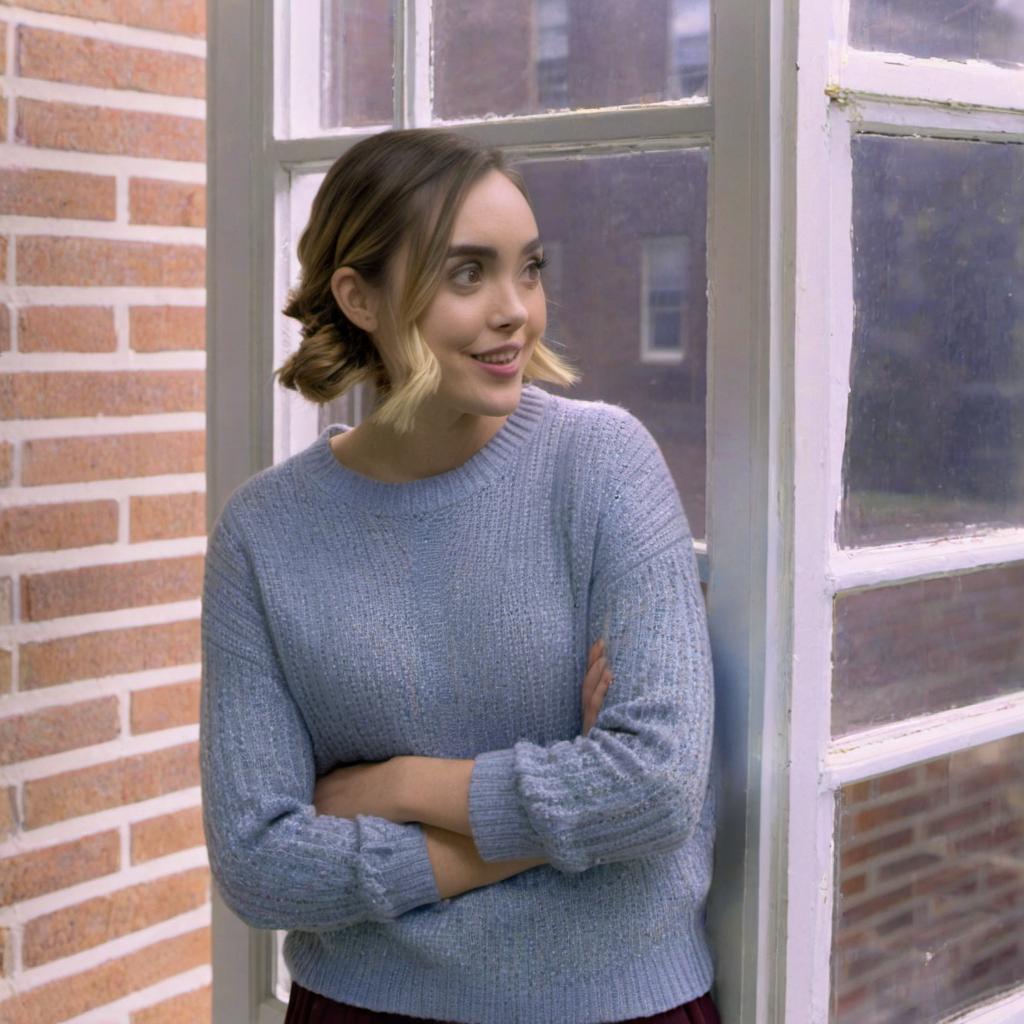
509, 309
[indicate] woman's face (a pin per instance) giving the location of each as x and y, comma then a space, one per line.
490, 297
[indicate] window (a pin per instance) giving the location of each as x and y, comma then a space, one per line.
663, 299
816, 209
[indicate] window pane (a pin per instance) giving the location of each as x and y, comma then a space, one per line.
356, 64
935, 430
990, 30
929, 905
558, 54
602, 296
927, 646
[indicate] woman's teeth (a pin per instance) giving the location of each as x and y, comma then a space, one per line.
501, 360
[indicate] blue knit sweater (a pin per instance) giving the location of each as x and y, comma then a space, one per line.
345, 619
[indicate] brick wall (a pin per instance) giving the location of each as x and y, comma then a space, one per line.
104, 883
930, 876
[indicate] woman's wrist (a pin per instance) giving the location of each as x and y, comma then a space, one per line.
434, 791
458, 866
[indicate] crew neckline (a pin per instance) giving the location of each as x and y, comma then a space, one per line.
431, 492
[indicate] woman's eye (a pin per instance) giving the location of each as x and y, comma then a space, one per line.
469, 269
537, 266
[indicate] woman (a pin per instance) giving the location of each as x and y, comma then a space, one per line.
396, 621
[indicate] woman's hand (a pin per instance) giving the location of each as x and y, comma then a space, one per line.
595, 684
366, 788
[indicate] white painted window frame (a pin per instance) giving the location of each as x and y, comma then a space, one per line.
841, 91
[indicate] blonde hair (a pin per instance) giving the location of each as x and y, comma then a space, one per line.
397, 185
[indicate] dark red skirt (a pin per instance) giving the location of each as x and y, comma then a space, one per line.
305, 1007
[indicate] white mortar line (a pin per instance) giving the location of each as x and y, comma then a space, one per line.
19, 155
112, 99
105, 230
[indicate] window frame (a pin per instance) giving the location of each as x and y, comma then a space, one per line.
842, 92
251, 427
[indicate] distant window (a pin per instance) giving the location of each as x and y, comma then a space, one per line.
663, 298
689, 28
553, 53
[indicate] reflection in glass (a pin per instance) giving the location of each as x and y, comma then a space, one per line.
935, 428
929, 901
356, 79
527, 56
926, 646
989, 30
630, 237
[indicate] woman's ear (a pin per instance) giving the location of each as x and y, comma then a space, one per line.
356, 298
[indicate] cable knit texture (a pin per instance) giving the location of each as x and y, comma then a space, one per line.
346, 619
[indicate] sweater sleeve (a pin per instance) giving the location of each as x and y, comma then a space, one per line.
277, 864
635, 785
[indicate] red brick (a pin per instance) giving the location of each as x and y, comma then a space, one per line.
899, 810
102, 919
108, 263
109, 457
859, 852
99, 588
83, 60
6, 462
160, 516
37, 872
66, 329
6, 952
75, 994
108, 652
43, 395
196, 1007
5, 329
175, 203
69, 524
5, 671
101, 787
166, 328
33, 192
167, 834
6, 592
8, 812
183, 17
165, 707
89, 129
56, 729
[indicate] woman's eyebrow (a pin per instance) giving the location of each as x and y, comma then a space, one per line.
487, 251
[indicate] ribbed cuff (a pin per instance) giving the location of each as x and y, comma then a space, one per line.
405, 871
501, 827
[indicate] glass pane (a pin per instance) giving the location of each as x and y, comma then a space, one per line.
990, 30
558, 54
929, 902
935, 430
602, 295
927, 646
356, 80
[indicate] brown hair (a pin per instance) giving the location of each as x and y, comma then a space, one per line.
399, 184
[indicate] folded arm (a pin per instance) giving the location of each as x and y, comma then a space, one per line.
277, 864
635, 785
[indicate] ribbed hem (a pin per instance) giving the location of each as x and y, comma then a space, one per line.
500, 826
320, 464
375, 975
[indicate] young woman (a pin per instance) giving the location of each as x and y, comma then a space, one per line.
399, 764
